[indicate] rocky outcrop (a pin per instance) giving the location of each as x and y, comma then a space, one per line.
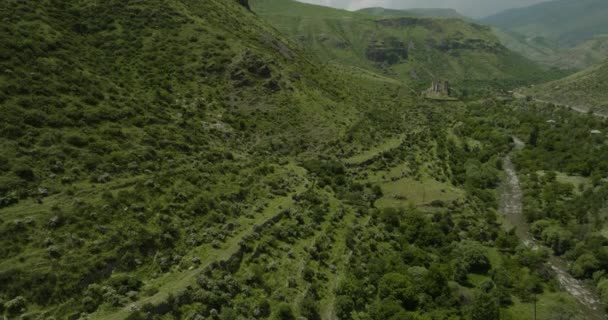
450, 44
389, 51
406, 22
244, 3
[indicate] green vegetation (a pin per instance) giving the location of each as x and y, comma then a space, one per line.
182, 159
564, 22
586, 90
563, 172
562, 33
433, 13
414, 49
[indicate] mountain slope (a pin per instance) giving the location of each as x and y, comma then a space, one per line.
131, 132
563, 33
586, 53
587, 89
411, 49
566, 22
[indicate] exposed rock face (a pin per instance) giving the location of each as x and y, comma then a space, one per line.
390, 51
245, 3
405, 22
468, 44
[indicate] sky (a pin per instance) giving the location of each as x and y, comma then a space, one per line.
471, 8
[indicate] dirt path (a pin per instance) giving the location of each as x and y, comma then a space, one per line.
511, 205
574, 108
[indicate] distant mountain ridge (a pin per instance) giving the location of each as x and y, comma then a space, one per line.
567, 22
563, 33
418, 12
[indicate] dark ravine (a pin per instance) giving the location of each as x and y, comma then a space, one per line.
511, 205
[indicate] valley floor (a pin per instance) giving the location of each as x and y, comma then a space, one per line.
512, 207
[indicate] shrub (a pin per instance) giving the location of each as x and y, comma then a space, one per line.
76, 141
284, 312
35, 118
10, 183
344, 307
398, 287
5, 164
25, 172
474, 258
585, 266
15, 306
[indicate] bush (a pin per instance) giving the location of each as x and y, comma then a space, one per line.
585, 266
398, 287
25, 172
76, 141
344, 306
5, 164
473, 257
10, 183
284, 312
15, 306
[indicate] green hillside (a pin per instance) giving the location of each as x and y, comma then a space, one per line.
587, 89
411, 49
433, 13
183, 159
565, 22
563, 33
137, 135
586, 53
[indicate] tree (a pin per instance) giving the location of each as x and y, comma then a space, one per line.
344, 306
485, 307
284, 312
398, 287
533, 139
585, 266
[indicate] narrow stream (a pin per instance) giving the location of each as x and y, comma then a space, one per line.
511, 205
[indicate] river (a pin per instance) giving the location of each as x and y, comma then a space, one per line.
511, 205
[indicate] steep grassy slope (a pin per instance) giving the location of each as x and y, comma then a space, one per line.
180, 159
587, 89
411, 49
563, 33
133, 133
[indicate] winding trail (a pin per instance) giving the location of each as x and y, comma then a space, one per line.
511, 205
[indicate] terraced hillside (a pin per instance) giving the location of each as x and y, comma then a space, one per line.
181, 159
411, 49
136, 136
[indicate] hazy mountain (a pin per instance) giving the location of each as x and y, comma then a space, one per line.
565, 22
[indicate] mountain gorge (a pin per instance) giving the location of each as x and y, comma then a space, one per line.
563, 33
267, 159
408, 47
